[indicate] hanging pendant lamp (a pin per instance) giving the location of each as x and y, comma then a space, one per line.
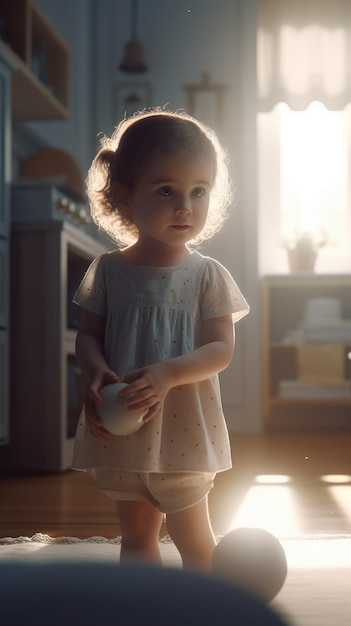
133, 60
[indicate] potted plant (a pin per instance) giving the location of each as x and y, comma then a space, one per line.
302, 248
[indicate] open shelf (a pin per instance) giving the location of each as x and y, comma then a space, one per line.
41, 59
44, 414
287, 402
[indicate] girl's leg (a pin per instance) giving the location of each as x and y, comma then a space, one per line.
140, 524
192, 533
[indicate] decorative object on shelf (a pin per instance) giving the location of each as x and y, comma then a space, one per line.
321, 363
205, 100
302, 248
132, 97
133, 60
51, 163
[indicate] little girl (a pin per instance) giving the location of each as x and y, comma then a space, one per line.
158, 315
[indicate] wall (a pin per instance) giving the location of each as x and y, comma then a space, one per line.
181, 40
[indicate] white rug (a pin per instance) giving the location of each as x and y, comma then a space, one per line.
317, 591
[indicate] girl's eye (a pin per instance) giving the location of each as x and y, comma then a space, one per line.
198, 192
165, 191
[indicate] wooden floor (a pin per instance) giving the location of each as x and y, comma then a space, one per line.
302, 479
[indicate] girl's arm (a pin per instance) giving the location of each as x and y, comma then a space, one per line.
211, 358
151, 384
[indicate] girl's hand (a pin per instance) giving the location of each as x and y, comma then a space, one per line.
94, 422
147, 388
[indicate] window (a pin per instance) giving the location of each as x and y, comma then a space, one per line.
304, 86
304, 183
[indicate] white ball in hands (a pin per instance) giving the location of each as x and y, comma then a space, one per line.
116, 418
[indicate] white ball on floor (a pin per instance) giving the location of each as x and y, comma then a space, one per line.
252, 558
117, 419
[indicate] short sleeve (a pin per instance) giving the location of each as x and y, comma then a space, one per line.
220, 295
91, 293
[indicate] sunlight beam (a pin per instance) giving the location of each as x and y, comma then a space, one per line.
270, 507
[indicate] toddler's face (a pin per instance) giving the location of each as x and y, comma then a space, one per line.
170, 201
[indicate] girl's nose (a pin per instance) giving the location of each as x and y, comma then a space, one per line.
184, 205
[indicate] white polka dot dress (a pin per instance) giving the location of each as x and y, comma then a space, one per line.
153, 314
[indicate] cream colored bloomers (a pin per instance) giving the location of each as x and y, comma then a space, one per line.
168, 492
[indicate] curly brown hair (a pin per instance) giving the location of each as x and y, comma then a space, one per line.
137, 139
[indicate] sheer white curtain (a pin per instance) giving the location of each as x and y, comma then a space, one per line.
304, 127
304, 53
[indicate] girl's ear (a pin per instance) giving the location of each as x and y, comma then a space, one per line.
121, 197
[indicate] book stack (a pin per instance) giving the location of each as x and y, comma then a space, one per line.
295, 389
323, 321
338, 330
321, 341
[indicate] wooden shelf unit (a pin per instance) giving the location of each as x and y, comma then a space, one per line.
284, 298
49, 259
41, 57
